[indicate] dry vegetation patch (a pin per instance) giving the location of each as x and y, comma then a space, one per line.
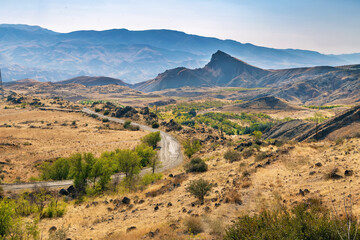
29, 137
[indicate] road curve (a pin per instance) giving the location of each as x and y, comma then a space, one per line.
169, 154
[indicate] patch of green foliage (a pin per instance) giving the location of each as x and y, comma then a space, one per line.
323, 107
152, 139
240, 89
318, 117
191, 147
227, 122
199, 188
150, 178
90, 172
303, 221
196, 165
196, 105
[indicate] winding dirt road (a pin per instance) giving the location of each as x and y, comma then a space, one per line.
170, 156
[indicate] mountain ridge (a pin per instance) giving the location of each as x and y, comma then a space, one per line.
133, 56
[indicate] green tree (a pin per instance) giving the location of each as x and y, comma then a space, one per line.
101, 173
146, 154
59, 170
152, 139
199, 188
82, 166
128, 162
191, 147
257, 135
7, 212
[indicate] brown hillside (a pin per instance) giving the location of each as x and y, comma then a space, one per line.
344, 124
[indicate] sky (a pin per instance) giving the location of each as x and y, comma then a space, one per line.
327, 26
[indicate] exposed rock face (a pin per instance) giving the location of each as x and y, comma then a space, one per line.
126, 112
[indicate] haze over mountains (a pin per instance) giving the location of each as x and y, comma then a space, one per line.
134, 56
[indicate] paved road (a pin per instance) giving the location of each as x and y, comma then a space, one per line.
170, 155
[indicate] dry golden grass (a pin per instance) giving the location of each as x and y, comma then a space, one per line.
267, 187
36, 136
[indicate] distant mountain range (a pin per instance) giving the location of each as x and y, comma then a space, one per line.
134, 56
313, 84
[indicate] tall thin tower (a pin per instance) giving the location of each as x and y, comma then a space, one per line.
1, 87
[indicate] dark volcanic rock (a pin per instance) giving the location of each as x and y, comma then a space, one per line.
125, 200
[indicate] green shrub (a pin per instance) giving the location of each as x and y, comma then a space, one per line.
155, 125
54, 209
199, 188
127, 124
134, 128
58, 170
150, 178
261, 156
191, 147
257, 135
105, 120
232, 155
304, 221
248, 152
196, 165
106, 112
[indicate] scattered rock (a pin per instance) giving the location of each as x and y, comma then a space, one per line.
130, 229
64, 192
207, 209
238, 202
52, 229
312, 172
349, 173
125, 200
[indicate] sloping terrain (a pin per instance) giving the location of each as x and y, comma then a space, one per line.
74, 91
35, 52
265, 103
344, 124
288, 130
348, 119
94, 81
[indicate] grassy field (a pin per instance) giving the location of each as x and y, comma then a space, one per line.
29, 137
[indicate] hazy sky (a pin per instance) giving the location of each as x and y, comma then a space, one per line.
327, 26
